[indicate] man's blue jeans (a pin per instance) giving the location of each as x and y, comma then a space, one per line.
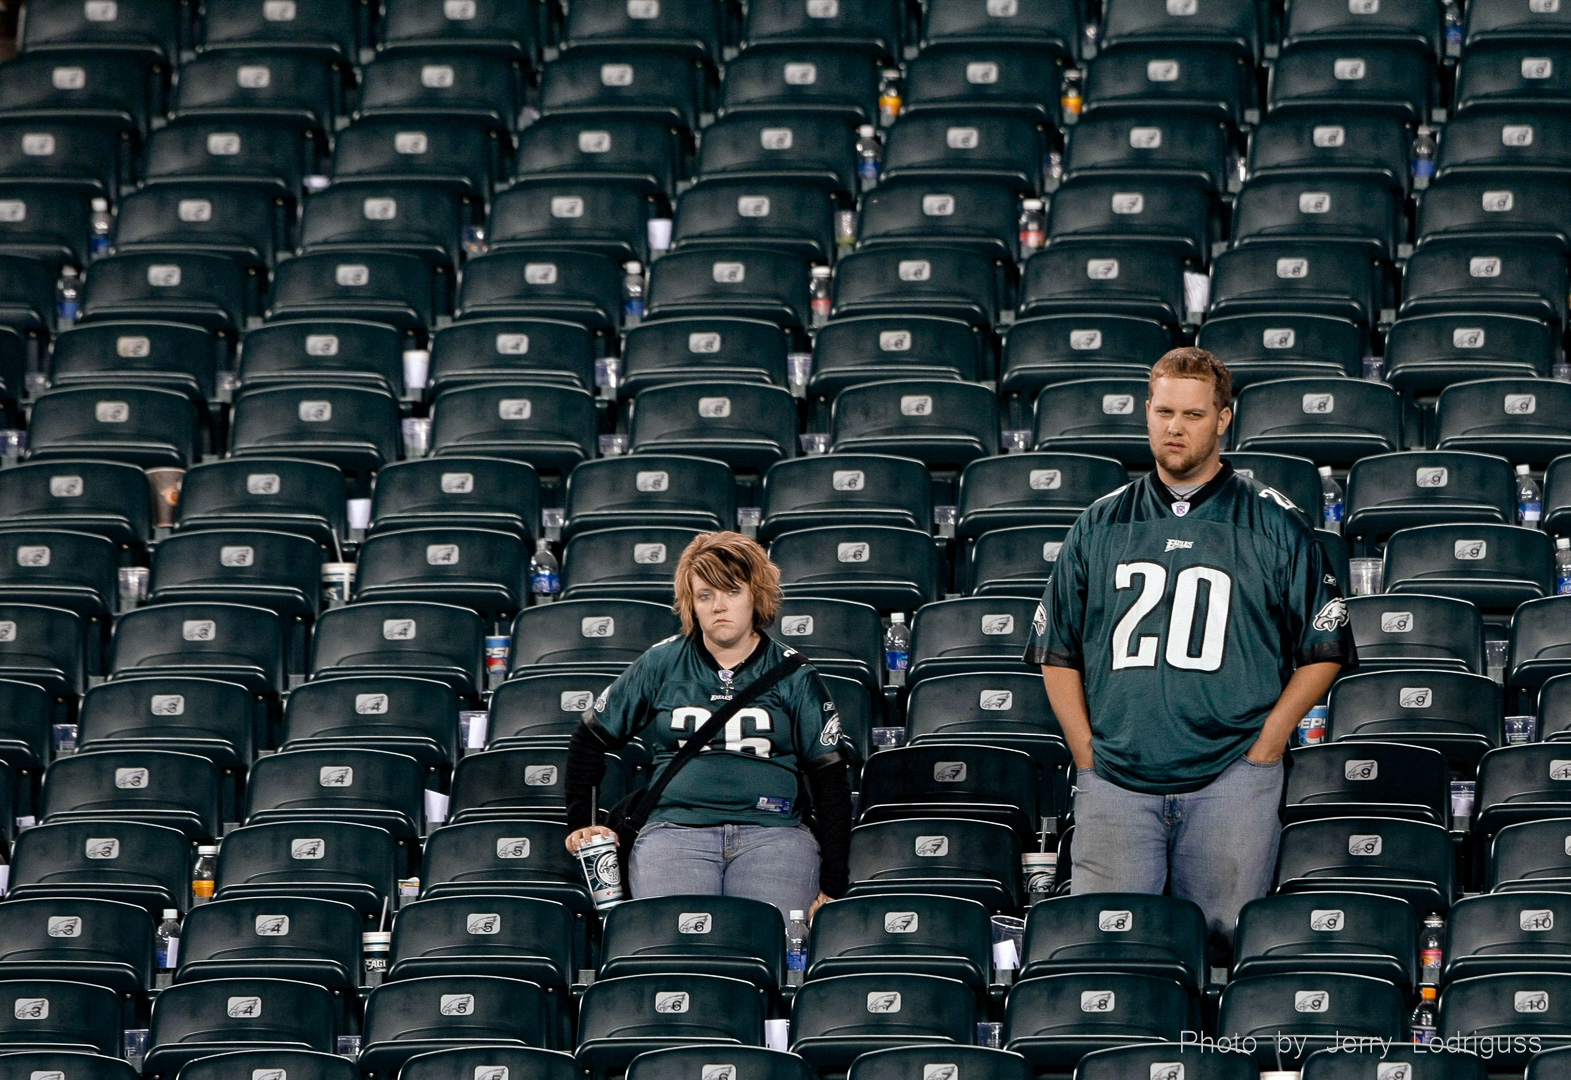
1216, 846
777, 864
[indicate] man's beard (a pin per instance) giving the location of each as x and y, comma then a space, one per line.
1187, 461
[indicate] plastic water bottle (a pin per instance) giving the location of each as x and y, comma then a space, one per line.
1331, 499
1529, 500
1431, 949
1424, 1022
897, 648
166, 941
818, 288
796, 942
68, 297
1453, 24
545, 573
1563, 565
1033, 226
102, 224
869, 156
1073, 97
632, 293
889, 97
1425, 149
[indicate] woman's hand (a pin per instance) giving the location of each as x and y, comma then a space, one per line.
819, 902
579, 837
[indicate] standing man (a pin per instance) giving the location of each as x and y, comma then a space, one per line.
1191, 621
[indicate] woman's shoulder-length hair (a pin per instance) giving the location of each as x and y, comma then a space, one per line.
726, 560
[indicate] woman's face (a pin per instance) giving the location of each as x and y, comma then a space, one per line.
725, 615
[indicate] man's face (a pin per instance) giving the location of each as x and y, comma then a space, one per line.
1184, 424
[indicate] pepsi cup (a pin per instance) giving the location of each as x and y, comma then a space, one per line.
602, 870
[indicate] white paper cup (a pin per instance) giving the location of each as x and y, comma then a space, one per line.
659, 233
417, 368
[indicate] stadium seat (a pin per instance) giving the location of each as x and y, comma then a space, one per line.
695, 29
139, 426
193, 1020
376, 286
1523, 1012
1387, 492
161, 355
710, 935
281, 572
80, 1064
1523, 207
1502, 141
1150, 210
890, 568
98, 942
259, 153
749, 282
1454, 712
1154, 142
44, 646
920, 278
1410, 860
328, 860
1388, 78
244, 224
1368, 778
1293, 1015
837, 1018
1197, 81
987, 708
1331, 932
976, 860
927, 935
633, 563
274, 937
1537, 653
1346, 143
457, 155
1363, 213
1512, 417
641, 149
354, 428
54, 568
557, 283
872, 26
1414, 26
746, 425
1001, 77
547, 426
1495, 567
1285, 345
132, 862
1032, 489
1043, 23
845, 489
625, 82
1521, 783
1014, 562
1335, 421
452, 491
26, 712
1515, 74
938, 145
417, 717
681, 1061
528, 1061
47, 1014
522, 782
1164, 1058
405, 217
1095, 416
1055, 1020
430, 84
311, 351
191, 716
1274, 277
698, 348
871, 348
1416, 631
604, 215
282, 86
1048, 349
30, 315
971, 212
619, 1019
159, 787
472, 1009
972, 782
506, 858
229, 642
543, 710
509, 29
1530, 856
1131, 934
1082, 277
505, 349
653, 490
1484, 274
151, 34
352, 785
51, 222
943, 424
312, 26
1504, 933
973, 634
778, 213
587, 635
301, 1064
840, 637
1142, 22
485, 570
838, 82
284, 495
117, 93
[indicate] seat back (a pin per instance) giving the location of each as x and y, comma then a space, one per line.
192, 1020
680, 1061
515, 858
231, 642
748, 426
156, 786
278, 571
135, 862
1095, 416
1123, 932
836, 1018
47, 1014
1526, 1006
103, 942
1387, 492
650, 490
505, 349
1309, 1007
486, 570
355, 428
1032, 489
469, 1009
1333, 421
987, 783
618, 1019
372, 787
1388, 856
744, 281
140, 426
1353, 932
588, 634
1417, 631
302, 1064
931, 935
543, 708
698, 347
284, 937
61, 569
844, 489
633, 562
943, 424
1506, 932
333, 860
1364, 777
348, 350
947, 856
1055, 1020
712, 935
418, 717
1455, 712
102, 497
1494, 567
42, 645
979, 633
279, 494
464, 1060
920, 278
513, 936
892, 569
427, 640
1510, 417
477, 492
1522, 783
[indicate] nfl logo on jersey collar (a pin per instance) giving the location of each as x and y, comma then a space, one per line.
1180, 508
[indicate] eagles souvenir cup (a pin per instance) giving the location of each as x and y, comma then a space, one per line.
603, 871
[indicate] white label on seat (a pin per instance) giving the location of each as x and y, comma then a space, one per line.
801, 74
643, 9
797, 626
1166, 1070
1145, 138
1415, 697
540, 775
938, 205
254, 76
1498, 202
1396, 622
13, 211
1278, 337
321, 344
963, 138
66, 487
694, 922
1162, 70
64, 926
1329, 136
336, 776
163, 276
1470, 550
1311, 1001
437, 76
1359, 769
33, 555
112, 412
1085, 340
1098, 1001
194, 210
1115, 921
996, 625
380, 209
199, 630
823, 9
411, 142
371, 704
616, 74
1118, 404
883, 1001
1327, 919
1046, 479
995, 700
7, 630
1363, 7
1128, 202
457, 1005
247, 1008
673, 1001
648, 554
728, 273
776, 138
1003, 9
1531, 1001
652, 481
540, 273
512, 847
1560, 769
1102, 269
102, 847
1319, 404
597, 626
982, 73
576, 701
399, 629
1467, 337
1537, 67
752, 206
263, 484
894, 341
1543, 7
38, 145
1432, 476
442, 554
352, 275
1348, 70
31, 1008
457, 483
567, 206
278, 10
848, 480
272, 925
459, 10
315, 412
1364, 845
1314, 202
916, 405
68, 78
1484, 266
1516, 135
915, 270
515, 409
901, 922
1182, 9
166, 705
101, 10
482, 1072
853, 551
131, 779
1535, 920
714, 408
236, 555
512, 344
1291, 269
594, 142
1521, 404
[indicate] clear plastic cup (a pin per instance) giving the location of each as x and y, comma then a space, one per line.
417, 436
1496, 653
1464, 795
1009, 935
165, 484
133, 586
1367, 576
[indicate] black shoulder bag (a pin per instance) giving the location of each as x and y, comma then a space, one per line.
630, 815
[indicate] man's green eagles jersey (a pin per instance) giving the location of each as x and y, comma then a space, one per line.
749, 772
1187, 617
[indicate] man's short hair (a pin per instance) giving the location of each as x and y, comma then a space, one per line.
726, 560
1192, 363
